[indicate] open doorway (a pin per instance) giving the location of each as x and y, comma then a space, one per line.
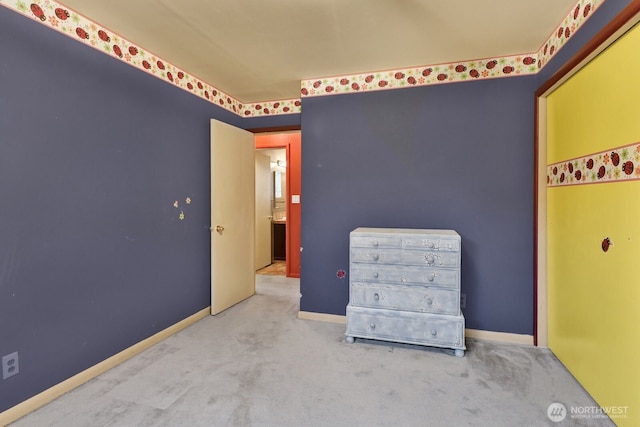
288, 142
271, 211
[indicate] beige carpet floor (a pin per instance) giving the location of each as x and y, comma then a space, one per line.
257, 364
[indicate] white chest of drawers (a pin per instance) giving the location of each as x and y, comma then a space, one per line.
404, 286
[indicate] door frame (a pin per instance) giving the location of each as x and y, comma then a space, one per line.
624, 21
288, 228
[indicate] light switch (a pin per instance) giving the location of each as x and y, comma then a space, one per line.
295, 198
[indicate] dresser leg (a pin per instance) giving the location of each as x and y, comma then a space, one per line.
350, 340
459, 353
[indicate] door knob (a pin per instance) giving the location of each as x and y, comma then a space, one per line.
219, 229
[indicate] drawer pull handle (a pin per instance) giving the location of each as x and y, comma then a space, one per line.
375, 275
376, 297
375, 243
431, 277
372, 326
429, 301
430, 259
430, 244
434, 332
375, 257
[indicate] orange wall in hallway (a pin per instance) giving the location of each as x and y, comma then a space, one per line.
291, 141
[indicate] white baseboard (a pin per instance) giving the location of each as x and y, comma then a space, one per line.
499, 336
322, 317
469, 333
41, 399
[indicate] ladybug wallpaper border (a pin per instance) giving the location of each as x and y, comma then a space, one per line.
478, 69
612, 165
74, 25
68, 22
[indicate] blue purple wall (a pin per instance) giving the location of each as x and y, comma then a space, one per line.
455, 156
93, 255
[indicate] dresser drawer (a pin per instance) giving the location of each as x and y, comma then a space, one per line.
382, 273
391, 256
402, 326
368, 256
433, 243
382, 241
431, 258
419, 299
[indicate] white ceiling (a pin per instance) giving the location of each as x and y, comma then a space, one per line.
260, 50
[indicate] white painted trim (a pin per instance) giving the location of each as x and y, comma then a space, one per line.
41, 399
469, 333
322, 317
541, 306
503, 337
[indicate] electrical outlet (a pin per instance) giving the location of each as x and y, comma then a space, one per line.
463, 300
10, 365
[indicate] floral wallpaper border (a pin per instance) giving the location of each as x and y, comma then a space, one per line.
62, 19
422, 76
458, 71
613, 165
575, 19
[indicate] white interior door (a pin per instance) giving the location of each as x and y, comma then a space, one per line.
232, 215
263, 210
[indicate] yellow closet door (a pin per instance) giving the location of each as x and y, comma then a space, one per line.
593, 223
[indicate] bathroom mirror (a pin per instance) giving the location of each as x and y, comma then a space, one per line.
279, 189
